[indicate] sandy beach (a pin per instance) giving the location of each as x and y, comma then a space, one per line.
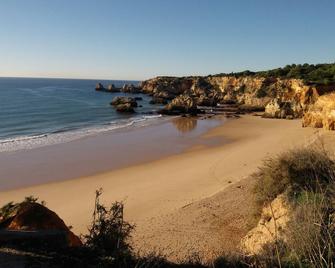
158, 193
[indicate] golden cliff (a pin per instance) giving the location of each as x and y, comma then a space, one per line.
281, 98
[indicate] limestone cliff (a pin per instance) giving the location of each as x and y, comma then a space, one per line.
271, 227
321, 114
281, 98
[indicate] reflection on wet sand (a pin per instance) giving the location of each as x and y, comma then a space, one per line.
185, 124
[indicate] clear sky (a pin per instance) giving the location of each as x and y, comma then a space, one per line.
138, 39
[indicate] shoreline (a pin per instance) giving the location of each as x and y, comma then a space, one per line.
159, 187
104, 152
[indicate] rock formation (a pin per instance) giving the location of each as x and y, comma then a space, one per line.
124, 100
99, 87
130, 88
183, 104
111, 88
280, 96
124, 104
321, 114
32, 216
270, 228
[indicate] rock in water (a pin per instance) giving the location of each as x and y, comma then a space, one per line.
130, 89
111, 88
99, 87
125, 108
124, 100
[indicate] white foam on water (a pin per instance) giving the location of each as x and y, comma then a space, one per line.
35, 141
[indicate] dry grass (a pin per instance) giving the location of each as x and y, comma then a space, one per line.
307, 177
303, 168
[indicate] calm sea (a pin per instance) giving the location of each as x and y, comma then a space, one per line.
36, 112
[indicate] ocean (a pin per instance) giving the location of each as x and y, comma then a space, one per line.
36, 112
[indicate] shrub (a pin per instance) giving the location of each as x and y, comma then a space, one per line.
295, 170
307, 176
109, 233
311, 231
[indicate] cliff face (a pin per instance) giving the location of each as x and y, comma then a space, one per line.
281, 98
321, 114
250, 90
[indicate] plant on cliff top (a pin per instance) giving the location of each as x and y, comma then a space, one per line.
295, 170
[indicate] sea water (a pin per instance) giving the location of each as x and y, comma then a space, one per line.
36, 112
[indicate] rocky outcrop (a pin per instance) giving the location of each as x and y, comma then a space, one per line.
112, 88
282, 109
125, 108
99, 87
124, 100
281, 98
321, 114
34, 217
130, 88
124, 104
271, 227
182, 104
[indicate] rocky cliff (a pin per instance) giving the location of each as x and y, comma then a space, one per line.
321, 114
281, 98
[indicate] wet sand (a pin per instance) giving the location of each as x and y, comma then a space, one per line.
103, 152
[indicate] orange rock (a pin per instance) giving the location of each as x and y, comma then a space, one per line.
36, 217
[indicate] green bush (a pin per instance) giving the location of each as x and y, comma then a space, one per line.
293, 171
109, 233
310, 73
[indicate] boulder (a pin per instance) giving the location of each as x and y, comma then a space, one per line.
125, 108
321, 114
124, 100
32, 216
182, 104
130, 88
112, 88
99, 87
279, 109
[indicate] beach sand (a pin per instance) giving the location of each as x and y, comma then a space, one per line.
172, 200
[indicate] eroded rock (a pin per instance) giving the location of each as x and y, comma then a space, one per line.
182, 104
124, 100
271, 227
32, 216
321, 114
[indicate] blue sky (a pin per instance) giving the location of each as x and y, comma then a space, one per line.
138, 39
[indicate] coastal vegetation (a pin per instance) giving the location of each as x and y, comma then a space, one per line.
322, 74
303, 180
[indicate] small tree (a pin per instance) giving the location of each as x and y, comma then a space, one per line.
109, 234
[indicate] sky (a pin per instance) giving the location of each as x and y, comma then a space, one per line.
139, 39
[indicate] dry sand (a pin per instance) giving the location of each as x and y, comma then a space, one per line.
182, 194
